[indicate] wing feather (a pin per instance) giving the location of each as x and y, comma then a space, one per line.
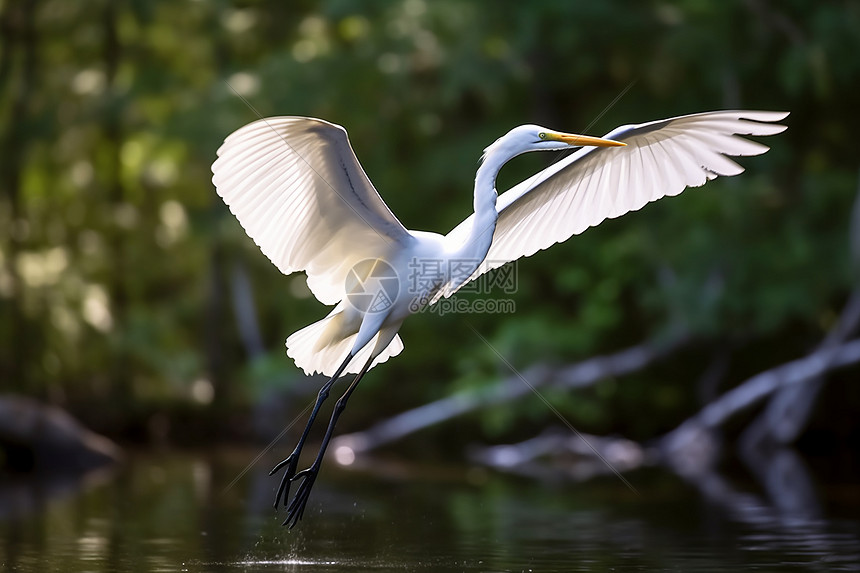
299, 192
662, 158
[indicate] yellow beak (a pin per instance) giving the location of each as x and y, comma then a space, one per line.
573, 139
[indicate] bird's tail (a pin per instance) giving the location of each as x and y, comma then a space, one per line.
321, 347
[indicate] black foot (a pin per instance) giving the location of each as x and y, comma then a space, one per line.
296, 508
291, 462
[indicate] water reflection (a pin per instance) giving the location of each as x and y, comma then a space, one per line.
23, 494
174, 512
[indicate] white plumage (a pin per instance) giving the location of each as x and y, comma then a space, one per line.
598, 183
298, 190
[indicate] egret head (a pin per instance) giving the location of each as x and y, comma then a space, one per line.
536, 138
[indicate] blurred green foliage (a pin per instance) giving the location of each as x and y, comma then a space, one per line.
118, 261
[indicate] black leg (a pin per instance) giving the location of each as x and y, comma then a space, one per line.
297, 506
292, 460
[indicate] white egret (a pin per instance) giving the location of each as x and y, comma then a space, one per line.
298, 190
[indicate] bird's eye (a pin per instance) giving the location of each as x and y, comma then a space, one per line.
542, 135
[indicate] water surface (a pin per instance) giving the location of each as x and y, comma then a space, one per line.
178, 512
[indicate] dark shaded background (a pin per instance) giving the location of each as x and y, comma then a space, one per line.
130, 295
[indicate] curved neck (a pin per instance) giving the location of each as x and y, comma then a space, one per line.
474, 249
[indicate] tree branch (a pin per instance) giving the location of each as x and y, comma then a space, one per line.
694, 433
539, 456
579, 375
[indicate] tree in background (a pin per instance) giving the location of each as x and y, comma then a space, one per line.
124, 281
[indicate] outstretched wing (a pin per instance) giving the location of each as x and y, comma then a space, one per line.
661, 158
299, 192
